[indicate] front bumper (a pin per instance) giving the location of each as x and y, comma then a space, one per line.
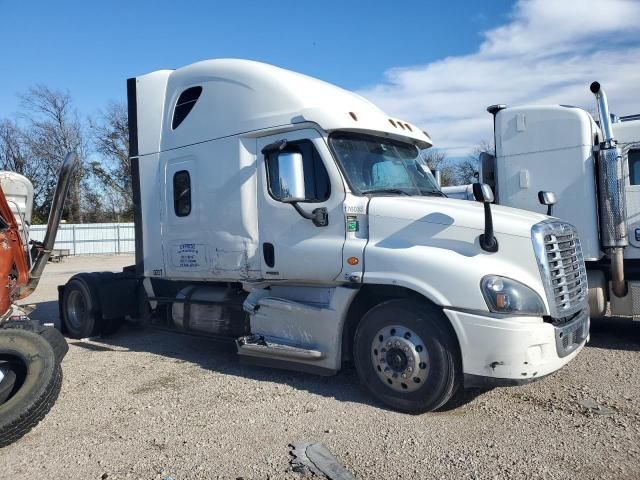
515, 350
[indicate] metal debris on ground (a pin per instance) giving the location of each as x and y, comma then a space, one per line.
593, 406
318, 460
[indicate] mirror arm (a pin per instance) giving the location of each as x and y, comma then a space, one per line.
488, 241
319, 216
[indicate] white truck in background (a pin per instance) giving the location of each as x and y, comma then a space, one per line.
301, 222
592, 170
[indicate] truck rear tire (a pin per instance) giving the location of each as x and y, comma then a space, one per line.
36, 378
406, 356
81, 310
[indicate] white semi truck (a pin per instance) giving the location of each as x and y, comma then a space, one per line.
592, 168
301, 222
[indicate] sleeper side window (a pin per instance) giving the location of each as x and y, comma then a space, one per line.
317, 186
634, 167
182, 193
184, 105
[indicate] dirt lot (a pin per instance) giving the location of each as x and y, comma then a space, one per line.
146, 404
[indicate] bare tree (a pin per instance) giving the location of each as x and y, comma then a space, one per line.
52, 130
467, 169
16, 156
437, 160
12, 151
111, 139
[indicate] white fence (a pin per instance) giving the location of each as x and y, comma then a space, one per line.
90, 238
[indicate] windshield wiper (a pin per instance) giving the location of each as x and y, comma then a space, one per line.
385, 190
436, 193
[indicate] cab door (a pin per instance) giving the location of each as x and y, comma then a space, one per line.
294, 247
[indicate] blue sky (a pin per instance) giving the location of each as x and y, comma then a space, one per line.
90, 48
437, 64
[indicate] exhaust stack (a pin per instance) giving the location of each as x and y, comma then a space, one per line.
59, 196
611, 195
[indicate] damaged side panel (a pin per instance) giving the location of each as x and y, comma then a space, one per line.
209, 218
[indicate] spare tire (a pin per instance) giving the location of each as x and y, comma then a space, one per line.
7, 381
50, 334
38, 378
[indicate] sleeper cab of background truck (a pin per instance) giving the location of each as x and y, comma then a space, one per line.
294, 253
549, 147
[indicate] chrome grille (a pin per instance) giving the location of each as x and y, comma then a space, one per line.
561, 264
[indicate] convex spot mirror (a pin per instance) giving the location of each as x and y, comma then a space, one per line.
547, 198
291, 177
482, 193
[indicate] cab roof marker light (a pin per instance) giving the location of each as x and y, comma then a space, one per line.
393, 123
354, 116
408, 126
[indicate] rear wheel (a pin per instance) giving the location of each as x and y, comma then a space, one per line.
30, 385
406, 356
81, 312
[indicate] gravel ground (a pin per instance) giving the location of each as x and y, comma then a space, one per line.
147, 404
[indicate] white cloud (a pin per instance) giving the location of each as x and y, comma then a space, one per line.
549, 52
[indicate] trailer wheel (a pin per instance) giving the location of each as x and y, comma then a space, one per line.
36, 379
406, 356
81, 312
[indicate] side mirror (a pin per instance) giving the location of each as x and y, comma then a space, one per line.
548, 199
291, 186
291, 177
438, 176
483, 193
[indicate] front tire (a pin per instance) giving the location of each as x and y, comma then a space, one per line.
406, 356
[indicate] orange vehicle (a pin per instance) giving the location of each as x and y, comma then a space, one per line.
30, 353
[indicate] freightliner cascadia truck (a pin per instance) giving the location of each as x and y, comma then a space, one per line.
592, 170
301, 222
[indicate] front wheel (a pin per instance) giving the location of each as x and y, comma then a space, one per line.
406, 356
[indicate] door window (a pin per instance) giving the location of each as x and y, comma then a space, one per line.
316, 179
634, 167
182, 193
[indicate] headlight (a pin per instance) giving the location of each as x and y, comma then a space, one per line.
504, 295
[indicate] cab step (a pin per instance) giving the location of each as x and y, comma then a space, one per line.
261, 346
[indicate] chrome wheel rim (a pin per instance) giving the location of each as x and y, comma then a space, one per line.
400, 358
76, 309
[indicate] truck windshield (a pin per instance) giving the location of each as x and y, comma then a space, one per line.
376, 165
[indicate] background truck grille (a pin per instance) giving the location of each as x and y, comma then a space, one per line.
561, 264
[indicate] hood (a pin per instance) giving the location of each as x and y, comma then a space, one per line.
454, 212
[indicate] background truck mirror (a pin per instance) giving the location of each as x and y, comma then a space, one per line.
548, 199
